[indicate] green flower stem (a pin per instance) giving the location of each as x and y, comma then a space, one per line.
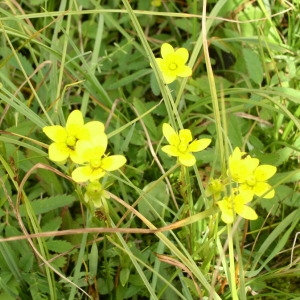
232, 279
186, 193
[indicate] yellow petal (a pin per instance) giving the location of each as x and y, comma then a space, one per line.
264, 172
184, 71
243, 198
75, 117
187, 159
96, 174
82, 174
199, 145
263, 189
170, 134
59, 152
169, 78
95, 128
236, 154
166, 49
183, 53
56, 133
227, 212
246, 212
170, 150
245, 188
185, 136
99, 140
113, 162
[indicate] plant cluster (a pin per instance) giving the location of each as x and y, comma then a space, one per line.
149, 150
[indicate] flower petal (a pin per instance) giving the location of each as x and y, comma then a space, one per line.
261, 188
264, 172
82, 174
56, 133
166, 49
227, 212
184, 71
170, 134
96, 174
185, 136
170, 150
243, 197
187, 159
95, 128
59, 152
75, 117
113, 162
199, 145
245, 188
183, 53
169, 78
246, 212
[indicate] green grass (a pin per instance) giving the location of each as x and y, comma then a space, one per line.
160, 234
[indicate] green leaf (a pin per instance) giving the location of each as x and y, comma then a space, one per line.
155, 200
93, 260
253, 65
59, 246
52, 225
124, 275
47, 204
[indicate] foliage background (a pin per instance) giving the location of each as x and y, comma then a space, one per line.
95, 56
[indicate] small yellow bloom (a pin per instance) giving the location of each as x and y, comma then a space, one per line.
256, 183
172, 63
251, 176
97, 164
182, 146
236, 204
65, 138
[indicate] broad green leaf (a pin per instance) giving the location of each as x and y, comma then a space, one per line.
59, 246
93, 260
155, 200
42, 206
253, 65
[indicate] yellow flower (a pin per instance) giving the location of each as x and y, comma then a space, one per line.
172, 63
256, 183
156, 3
182, 146
236, 204
241, 165
65, 138
97, 164
251, 176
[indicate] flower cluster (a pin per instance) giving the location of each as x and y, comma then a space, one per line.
85, 145
182, 145
250, 179
172, 63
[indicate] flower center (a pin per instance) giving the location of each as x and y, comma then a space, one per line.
182, 147
71, 141
173, 66
95, 162
251, 181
